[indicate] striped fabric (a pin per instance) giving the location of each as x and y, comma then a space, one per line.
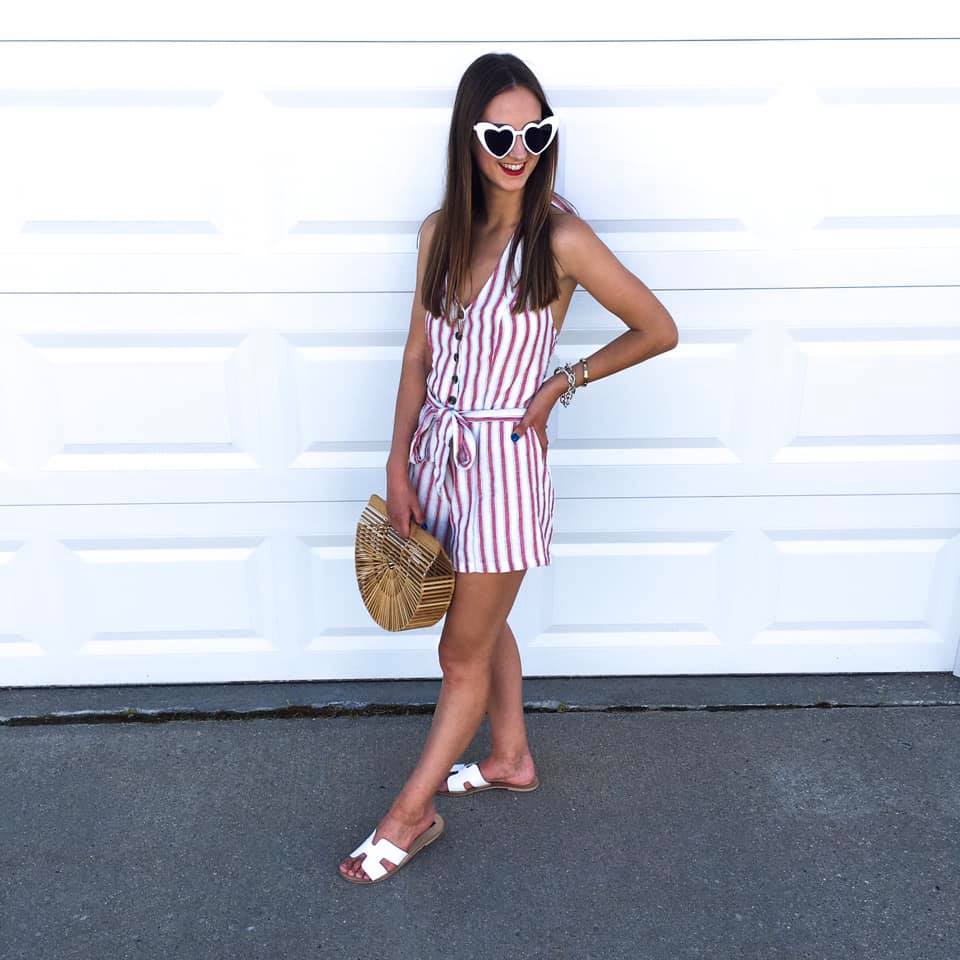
488, 500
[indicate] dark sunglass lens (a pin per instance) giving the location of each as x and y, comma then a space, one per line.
536, 138
498, 142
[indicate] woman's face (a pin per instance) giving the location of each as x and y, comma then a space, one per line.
516, 107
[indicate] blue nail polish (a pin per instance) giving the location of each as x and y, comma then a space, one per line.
514, 437
423, 525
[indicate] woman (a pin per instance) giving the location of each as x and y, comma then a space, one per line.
468, 457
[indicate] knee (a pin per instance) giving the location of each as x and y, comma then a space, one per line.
464, 659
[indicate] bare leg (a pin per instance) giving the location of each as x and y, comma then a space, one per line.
509, 757
468, 643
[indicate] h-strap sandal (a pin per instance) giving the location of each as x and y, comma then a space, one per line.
385, 849
466, 778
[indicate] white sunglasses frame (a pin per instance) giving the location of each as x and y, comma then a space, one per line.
484, 125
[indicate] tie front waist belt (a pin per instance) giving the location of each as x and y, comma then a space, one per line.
452, 434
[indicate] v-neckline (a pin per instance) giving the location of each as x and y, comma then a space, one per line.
493, 273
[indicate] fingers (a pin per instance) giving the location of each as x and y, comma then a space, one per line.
399, 517
402, 523
521, 428
417, 512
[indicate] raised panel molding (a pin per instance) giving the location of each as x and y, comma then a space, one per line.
207, 258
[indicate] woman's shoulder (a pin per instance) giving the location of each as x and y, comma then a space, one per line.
562, 214
566, 231
561, 203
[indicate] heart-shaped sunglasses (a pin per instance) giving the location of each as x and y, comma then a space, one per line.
498, 138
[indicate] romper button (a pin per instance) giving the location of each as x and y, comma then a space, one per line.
451, 398
456, 356
454, 378
458, 335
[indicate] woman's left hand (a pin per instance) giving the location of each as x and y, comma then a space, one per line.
538, 412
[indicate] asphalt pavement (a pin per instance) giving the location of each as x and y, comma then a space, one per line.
757, 817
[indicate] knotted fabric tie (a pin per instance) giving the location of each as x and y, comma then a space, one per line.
445, 430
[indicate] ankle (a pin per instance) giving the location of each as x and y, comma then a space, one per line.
512, 759
410, 816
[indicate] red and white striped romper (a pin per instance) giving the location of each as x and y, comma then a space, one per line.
489, 500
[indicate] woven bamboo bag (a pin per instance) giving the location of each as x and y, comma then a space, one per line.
404, 584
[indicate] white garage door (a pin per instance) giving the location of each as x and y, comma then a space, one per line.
203, 317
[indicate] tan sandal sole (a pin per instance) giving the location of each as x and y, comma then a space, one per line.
492, 785
424, 840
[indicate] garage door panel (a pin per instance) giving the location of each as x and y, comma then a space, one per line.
113, 410
879, 387
794, 584
812, 391
238, 398
156, 597
209, 252
153, 594
255, 166
328, 382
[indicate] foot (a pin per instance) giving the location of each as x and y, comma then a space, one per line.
518, 773
397, 829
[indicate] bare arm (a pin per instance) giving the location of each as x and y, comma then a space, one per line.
585, 257
416, 365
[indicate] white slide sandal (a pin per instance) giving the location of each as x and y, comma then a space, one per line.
466, 778
385, 849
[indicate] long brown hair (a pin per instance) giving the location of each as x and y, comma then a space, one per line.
448, 259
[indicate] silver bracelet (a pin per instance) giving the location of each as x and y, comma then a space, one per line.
567, 369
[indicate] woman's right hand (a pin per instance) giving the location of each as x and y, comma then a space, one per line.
401, 503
